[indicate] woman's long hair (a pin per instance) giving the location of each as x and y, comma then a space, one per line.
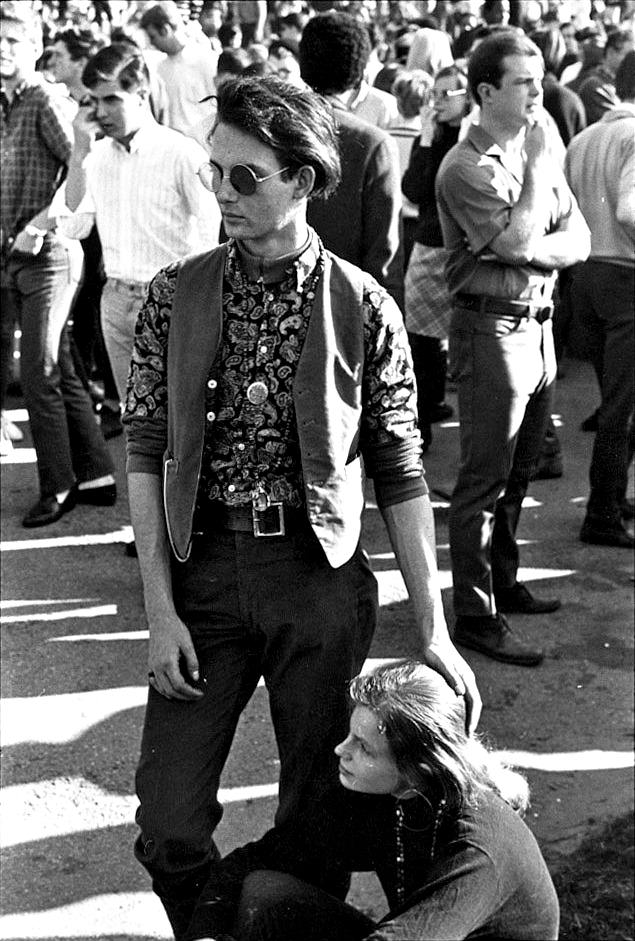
424, 723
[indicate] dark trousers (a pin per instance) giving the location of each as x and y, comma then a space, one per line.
255, 607
603, 297
505, 370
68, 441
430, 361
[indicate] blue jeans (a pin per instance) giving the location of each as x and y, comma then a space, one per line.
68, 441
505, 371
603, 297
269, 607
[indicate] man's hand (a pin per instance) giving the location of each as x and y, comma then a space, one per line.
85, 128
536, 145
443, 657
172, 660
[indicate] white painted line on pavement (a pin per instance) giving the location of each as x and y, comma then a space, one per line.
122, 635
19, 456
44, 810
98, 611
124, 534
64, 717
128, 914
16, 414
591, 760
4, 605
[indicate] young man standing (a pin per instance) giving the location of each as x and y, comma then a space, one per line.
137, 180
510, 222
264, 372
40, 273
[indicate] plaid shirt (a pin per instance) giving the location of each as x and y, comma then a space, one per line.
36, 138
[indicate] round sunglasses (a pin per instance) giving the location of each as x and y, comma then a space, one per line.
242, 178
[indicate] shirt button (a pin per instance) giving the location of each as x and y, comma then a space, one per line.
241, 447
211, 416
231, 488
212, 384
263, 349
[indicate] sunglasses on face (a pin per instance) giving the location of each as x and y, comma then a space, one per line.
242, 178
447, 94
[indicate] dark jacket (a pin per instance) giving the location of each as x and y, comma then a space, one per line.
361, 221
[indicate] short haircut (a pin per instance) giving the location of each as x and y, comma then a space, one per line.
119, 62
23, 16
334, 51
486, 62
81, 43
294, 122
625, 77
281, 44
618, 38
160, 15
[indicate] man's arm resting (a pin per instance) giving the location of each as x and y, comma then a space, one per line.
169, 637
410, 526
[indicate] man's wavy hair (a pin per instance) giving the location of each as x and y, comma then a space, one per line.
119, 62
294, 122
424, 723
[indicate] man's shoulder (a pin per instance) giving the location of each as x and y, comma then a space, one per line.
461, 156
354, 128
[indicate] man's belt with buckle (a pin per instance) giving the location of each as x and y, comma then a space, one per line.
500, 307
258, 518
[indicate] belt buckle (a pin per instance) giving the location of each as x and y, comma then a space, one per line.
267, 516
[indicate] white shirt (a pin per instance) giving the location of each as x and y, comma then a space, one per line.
188, 77
150, 206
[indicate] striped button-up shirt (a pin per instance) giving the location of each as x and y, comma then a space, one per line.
149, 204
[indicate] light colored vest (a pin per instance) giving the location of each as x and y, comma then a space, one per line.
327, 395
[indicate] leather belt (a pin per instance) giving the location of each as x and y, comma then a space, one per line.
499, 307
276, 520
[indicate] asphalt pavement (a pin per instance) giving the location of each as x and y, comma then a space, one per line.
73, 643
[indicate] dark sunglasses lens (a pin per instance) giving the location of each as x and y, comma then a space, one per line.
243, 180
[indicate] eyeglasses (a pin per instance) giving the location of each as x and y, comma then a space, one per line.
242, 178
443, 95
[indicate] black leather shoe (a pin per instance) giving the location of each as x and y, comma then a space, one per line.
98, 496
49, 510
493, 637
606, 535
130, 549
519, 600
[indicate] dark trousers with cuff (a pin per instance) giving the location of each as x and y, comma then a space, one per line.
270, 607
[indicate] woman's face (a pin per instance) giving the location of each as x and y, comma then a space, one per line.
448, 100
366, 761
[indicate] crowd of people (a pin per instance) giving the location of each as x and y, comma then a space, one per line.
262, 238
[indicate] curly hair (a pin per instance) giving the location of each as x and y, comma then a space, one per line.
424, 723
295, 122
334, 52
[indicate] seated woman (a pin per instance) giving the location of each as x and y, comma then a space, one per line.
429, 809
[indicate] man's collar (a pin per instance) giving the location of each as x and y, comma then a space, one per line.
141, 139
483, 141
252, 267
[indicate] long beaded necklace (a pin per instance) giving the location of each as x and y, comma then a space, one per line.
399, 825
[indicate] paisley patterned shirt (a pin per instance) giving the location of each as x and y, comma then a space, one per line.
250, 431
